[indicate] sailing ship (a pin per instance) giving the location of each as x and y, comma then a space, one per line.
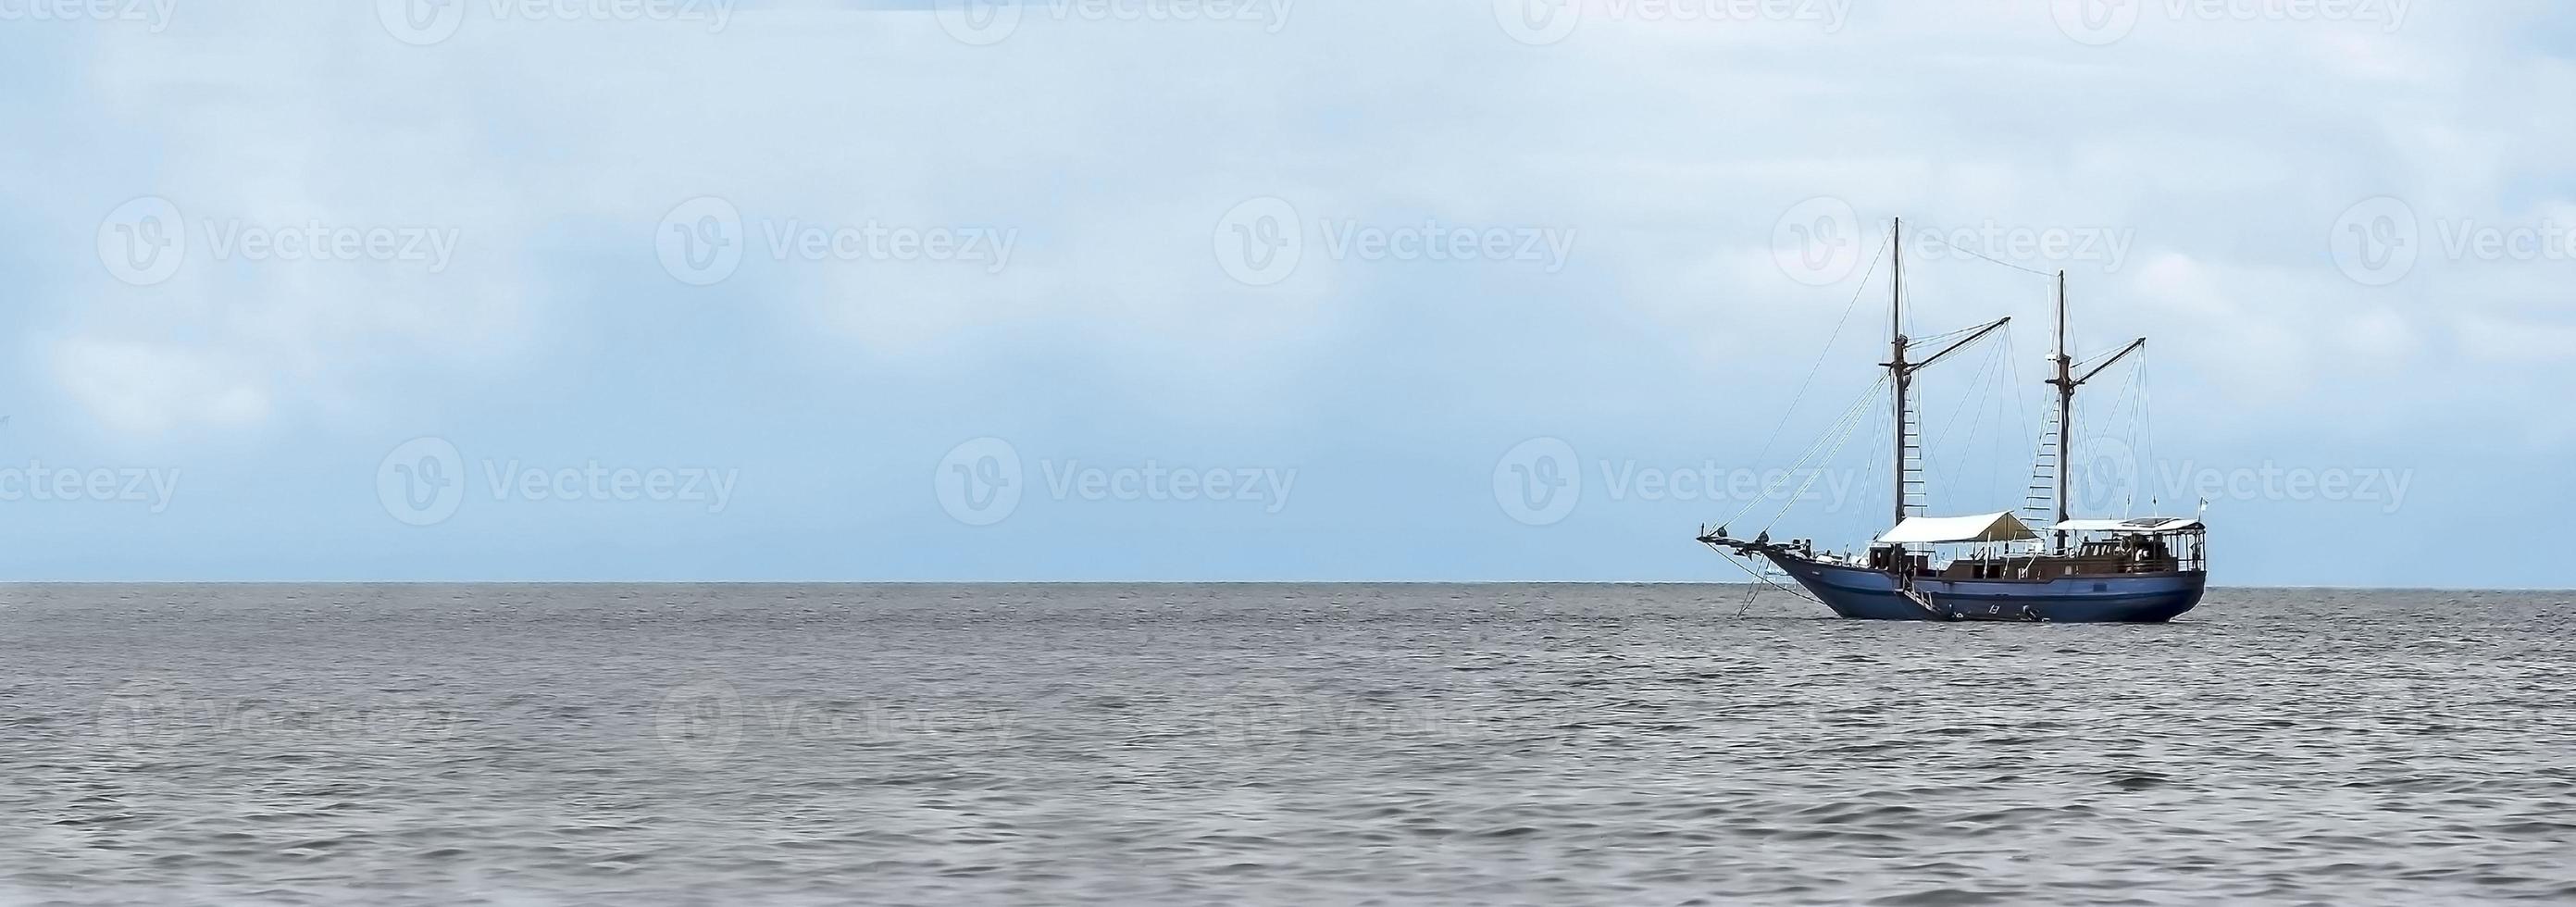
2145, 569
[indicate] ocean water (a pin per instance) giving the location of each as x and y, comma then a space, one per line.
1269, 744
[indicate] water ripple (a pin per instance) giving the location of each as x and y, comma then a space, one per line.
546, 745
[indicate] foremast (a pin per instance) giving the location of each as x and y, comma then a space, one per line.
1900, 373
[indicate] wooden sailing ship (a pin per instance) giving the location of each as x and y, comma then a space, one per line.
2148, 569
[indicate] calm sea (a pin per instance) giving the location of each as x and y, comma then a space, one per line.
1273, 744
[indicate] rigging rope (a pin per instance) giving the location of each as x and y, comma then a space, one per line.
1829, 456
1985, 370
1764, 580
2146, 429
2127, 399
2003, 262
1821, 355
1842, 425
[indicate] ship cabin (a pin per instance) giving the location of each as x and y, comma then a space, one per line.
1999, 546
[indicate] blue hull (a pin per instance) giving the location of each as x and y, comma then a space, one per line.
1865, 594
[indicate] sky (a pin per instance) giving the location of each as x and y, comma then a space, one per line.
1268, 290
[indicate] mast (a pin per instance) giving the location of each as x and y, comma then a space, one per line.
1900, 372
1896, 368
2065, 382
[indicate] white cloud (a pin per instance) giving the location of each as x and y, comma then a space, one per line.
150, 388
1672, 147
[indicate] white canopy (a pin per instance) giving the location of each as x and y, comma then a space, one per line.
1934, 530
2136, 526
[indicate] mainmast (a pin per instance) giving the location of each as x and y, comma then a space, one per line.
2065, 408
1898, 373
2066, 381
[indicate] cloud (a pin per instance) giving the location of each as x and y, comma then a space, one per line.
1112, 148
150, 388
